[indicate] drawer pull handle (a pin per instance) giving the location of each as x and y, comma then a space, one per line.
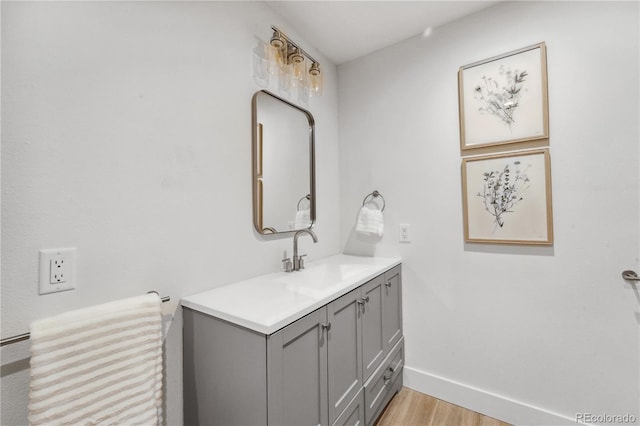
326, 326
387, 378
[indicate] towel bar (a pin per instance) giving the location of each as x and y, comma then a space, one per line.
374, 194
26, 336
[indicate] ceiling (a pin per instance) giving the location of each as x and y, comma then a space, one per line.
345, 30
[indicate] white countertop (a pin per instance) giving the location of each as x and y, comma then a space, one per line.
269, 302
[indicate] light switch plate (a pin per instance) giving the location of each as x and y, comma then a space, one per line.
57, 270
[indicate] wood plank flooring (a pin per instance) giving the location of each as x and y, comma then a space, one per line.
411, 408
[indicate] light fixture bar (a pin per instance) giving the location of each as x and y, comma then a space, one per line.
292, 43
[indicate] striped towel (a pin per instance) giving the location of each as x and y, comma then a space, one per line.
98, 365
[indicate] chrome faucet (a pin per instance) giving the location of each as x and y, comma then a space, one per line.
297, 260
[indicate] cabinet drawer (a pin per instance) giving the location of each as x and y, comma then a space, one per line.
376, 389
353, 415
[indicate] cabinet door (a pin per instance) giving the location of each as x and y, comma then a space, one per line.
225, 371
344, 346
392, 307
373, 344
297, 368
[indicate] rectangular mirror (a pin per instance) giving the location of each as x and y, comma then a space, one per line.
283, 165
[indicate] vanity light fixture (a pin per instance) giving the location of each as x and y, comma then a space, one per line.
291, 62
277, 41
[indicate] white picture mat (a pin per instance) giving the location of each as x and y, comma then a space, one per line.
528, 220
482, 128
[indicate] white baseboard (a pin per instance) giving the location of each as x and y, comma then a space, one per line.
481, 401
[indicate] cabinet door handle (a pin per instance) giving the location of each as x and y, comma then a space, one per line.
360, 302
326, 326
387, 284
630, 276
366, 299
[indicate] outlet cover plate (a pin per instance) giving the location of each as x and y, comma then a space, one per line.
57, 270
404, 235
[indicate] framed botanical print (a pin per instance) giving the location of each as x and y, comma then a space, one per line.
507, 198
503, 100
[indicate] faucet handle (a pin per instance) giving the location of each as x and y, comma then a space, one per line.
301, 261
287, 266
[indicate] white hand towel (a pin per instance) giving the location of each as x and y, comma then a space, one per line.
98, 365
370, 222
303, 219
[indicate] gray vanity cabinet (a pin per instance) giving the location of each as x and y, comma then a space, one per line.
339, 365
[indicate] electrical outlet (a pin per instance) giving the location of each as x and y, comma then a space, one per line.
403, 234
57, 270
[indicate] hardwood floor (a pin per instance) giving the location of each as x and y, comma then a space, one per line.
411, 408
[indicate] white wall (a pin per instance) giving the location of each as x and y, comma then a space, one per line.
127, 134
532, 335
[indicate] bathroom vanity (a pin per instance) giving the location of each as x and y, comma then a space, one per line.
322, 346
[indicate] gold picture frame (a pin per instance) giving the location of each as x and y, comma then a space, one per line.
504, 99
507, 198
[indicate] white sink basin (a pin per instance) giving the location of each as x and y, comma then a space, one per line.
270, 302
321, 278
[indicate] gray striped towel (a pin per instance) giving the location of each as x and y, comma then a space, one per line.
98, 366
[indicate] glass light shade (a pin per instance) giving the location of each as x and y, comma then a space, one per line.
298, 75
303, 94
276, 60
260, 65
297, 66
315, 80
284, 83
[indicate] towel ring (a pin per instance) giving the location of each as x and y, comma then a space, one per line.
374, 194
306, 197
